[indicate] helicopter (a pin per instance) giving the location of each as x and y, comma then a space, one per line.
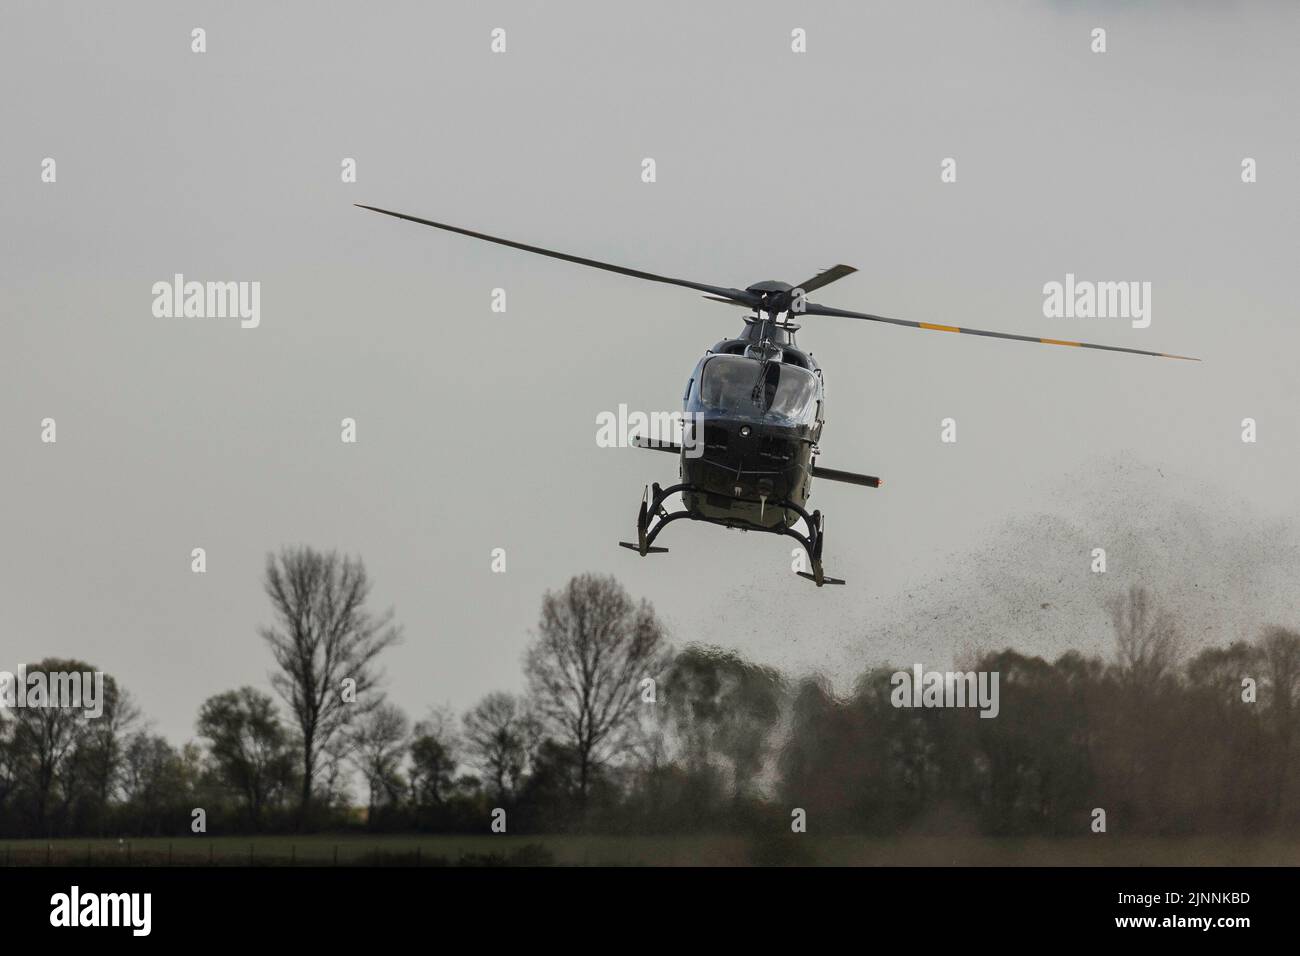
755, 409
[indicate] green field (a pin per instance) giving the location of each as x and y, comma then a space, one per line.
692, 850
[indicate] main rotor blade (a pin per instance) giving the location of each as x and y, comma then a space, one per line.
826, 277
737, 294
813, 309
735, 302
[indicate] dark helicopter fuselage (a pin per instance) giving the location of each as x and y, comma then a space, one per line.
759, 401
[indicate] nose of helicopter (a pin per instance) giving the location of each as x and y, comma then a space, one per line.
745, 469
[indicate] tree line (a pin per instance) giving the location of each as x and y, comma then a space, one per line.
619, 732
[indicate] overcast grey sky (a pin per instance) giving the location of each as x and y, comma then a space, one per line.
476, 430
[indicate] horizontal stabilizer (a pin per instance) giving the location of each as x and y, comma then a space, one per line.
867, 481
646, 443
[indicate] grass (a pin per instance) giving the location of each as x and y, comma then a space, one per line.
682, 850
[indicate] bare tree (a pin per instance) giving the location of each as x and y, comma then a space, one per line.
1146, 637
58, 756
10, 759
593, 649
103, 750
1281, 650
500, 734
723, 710
434, 757
152, 779
333, 788
324, 637
378, 744
249, 747
1281, 653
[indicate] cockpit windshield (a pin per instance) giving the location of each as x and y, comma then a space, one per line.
736, 385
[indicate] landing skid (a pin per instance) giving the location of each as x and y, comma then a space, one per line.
652, 517
825, 580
